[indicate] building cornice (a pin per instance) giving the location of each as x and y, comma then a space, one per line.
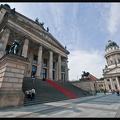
112, 53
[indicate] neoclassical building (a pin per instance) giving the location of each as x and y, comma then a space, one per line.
111, 72
47, 57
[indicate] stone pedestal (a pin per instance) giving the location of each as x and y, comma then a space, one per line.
12, 69
86, 85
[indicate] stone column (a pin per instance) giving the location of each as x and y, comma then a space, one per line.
59, 67
50, 65
2, 13
118, 83
30, 64
106, 85
111, 83
25, 48
39, 63
56, 71
66, 70
3, 41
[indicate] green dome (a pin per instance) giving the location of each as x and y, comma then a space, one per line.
111, 44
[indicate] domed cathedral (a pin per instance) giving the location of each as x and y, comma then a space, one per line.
47, 57
111, 72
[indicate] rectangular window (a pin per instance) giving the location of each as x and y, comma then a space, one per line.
62, 68
108, 80
34, 69
45, 63
53, 65
7, 49
35, 59
109, 87
116, 87
100, 85
114, 79
53, 74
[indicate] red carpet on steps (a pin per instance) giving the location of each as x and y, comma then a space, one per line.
69, 94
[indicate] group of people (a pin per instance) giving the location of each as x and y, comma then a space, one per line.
31, 94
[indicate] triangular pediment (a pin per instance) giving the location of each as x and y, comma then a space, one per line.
114, 70
35, 28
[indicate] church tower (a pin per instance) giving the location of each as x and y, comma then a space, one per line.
111, 72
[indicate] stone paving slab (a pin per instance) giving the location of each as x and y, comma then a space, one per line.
93, 106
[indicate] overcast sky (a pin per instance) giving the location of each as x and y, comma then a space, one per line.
84, 28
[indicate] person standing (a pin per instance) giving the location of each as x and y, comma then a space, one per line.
105, 92
27, 93
117, 91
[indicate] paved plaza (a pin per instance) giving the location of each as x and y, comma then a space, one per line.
97, 106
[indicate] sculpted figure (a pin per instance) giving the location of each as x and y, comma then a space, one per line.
85, 74
15, 47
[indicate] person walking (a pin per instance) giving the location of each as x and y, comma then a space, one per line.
33, 78
33, 94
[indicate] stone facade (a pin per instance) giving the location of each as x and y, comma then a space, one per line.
40, 55
86, 85
100, 85
46, 55
111, 72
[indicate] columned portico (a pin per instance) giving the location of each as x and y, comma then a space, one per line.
3, 41
59, 67
25, 48
50, 65
39, 63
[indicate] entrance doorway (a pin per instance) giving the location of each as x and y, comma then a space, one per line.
53, 75
34, 69
63, 76
44, 73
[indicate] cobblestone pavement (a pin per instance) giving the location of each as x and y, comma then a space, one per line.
98, 106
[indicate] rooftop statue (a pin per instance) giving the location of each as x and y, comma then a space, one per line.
37, 20
15, 47
7, 6
42, 23
13, 11
47, 29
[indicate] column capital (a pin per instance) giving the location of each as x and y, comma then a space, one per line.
7, 29
27, 37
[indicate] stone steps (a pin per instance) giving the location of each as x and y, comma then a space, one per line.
45, 92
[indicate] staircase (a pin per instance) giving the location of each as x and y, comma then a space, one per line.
72, 88
46, 92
